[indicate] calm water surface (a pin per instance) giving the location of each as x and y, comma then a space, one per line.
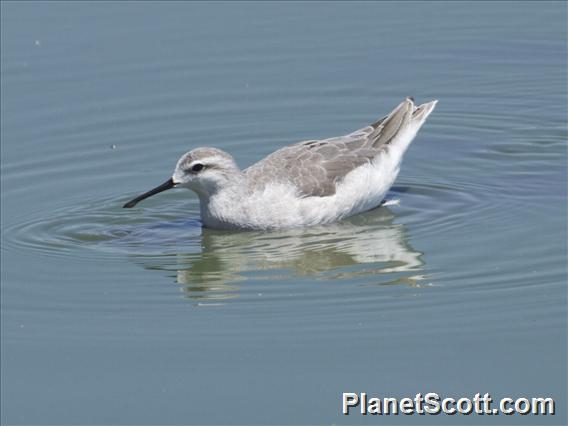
142, 317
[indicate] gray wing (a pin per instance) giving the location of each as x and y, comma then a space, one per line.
315, 167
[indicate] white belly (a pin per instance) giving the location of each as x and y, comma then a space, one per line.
278, 206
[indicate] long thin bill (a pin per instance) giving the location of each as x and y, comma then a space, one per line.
163, 187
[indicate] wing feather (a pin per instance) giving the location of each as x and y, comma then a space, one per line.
315, 167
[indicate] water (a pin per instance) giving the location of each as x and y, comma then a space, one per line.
141, 317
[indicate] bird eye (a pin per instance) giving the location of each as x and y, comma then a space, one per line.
197, 167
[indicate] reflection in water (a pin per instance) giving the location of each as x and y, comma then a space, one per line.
366, 245
214, 265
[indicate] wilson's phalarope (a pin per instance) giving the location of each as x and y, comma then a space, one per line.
308, 183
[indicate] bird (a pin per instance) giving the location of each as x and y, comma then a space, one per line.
313, 182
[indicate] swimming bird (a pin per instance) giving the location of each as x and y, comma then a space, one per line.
308, 183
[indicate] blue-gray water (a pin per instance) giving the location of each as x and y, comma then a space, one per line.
141, 317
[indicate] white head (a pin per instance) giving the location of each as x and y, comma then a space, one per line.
203, 170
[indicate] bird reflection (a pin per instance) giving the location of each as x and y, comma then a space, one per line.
369, 245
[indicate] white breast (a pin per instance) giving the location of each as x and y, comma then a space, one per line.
278, 205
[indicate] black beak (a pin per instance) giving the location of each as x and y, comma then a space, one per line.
166, 185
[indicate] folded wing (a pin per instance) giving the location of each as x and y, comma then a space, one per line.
315, 167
